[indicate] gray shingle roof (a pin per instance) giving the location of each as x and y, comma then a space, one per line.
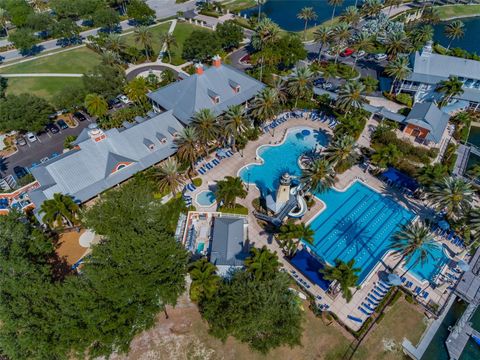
94, 167
228, 247
187, 96
428, 116
445, 66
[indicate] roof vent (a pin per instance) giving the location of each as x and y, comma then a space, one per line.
214, 96
234, 85
199, 68
95, 133
428, 49
217, 61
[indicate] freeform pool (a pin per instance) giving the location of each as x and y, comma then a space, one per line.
206, 198
278, 159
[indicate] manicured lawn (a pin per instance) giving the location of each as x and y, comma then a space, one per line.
77, 61
238, 5
156, 32
48, 88
449, 11
182, 32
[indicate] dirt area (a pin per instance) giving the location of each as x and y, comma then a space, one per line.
69, 248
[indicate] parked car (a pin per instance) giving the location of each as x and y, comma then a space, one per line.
52, 128
327, 85
380, 57
31, 137
44, 160
20, 140
124, 99
20, 171
347, 52
79, 116
113, 103
62, 124
330, 54
359, 54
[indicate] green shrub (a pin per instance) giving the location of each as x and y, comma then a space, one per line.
197, 182
395, 298
405, 99
238, 209
380, 317
409, 298
450, 157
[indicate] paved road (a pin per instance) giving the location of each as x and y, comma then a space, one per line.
167, 8
34, 152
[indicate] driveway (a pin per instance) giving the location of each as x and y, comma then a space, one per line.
46, 145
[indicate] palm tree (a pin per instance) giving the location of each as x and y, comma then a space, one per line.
322, 35
398, 69
235, 122
474, 222
372, 8
205, 124
351, 16
265, 105
453, 195
454, 30
143, 36
450, 88
96, 105
422, 34
319, 176
266, 32
110, 58
350, 96
342, 152
411, 239
306, 14
204, 280
386, 155
396, 43
115, 43
229, 189
335, 3
300, 84
291, 235
4, 18
187, 146
168, 176
362, 42
345, 274
260, 3
137, 89
391, 4
262, 264
61, 208
429, 174
169, 41
341, 34
279, 85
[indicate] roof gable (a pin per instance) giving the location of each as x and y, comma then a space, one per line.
114, 161
228, 247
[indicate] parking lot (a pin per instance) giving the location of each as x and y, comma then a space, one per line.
48, 145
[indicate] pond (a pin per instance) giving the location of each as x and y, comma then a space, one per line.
284, 12
469, 42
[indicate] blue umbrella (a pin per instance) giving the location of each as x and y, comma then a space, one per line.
394, 279
444, 225
463, 265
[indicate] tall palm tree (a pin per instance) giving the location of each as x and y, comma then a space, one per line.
386, 155
335, 3
110, 58
137, 89
372, 8
398, 69
474, 223
169, 42
96, 105
453, 195
168, 176
322, 35
61, 208
319, 176
450, 88
306, 14
204, 280
300, 84
205, 124
291, 235
4, 18
265, 105
266, 32
396, 43
345, 274
422, 34
454, 30
235, 122
362, 42
279, 85
341, 34
229, 189
350, 96
260, 3
411, 239
262, 263
351, 16
187, 146
342, 152
429, 174
115, 42
143, 36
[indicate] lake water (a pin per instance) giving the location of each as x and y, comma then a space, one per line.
284, 12
469, 42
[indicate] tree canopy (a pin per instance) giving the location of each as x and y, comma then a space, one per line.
24, 112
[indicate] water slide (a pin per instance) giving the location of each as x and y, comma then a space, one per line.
302, 205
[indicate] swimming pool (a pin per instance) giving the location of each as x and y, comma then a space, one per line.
206, 198
432, 267
357, 223
278, 159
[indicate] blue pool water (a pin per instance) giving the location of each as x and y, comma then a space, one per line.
282, 158
432, 267
206, 198
358, 224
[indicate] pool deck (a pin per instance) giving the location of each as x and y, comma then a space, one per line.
259, 237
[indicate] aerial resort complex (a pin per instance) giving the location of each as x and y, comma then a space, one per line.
239, 179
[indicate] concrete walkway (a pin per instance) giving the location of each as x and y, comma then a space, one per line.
41, 75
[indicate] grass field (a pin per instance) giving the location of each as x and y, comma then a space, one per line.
76, 61
48, 88
451, 11
156, 32
238, 5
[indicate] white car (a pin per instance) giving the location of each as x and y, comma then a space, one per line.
380, 57
31, 137
124, 99
358, 54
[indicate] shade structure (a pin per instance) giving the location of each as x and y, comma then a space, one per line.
463, 265
444, 225
394, 279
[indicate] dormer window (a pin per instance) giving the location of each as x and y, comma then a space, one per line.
149, 144
214, 96
235, 86
173, 132
162, 138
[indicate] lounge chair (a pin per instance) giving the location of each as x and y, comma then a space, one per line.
209, 166
425, 294
229, 153
368, 306
356, 319
381, 296
374, 304
408, 284
385, 285
202, 171
364, 311
373, 297
417, 290
215, 162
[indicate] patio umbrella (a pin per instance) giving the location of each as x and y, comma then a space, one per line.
444, 225
394, 279
221, 152
463, 265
